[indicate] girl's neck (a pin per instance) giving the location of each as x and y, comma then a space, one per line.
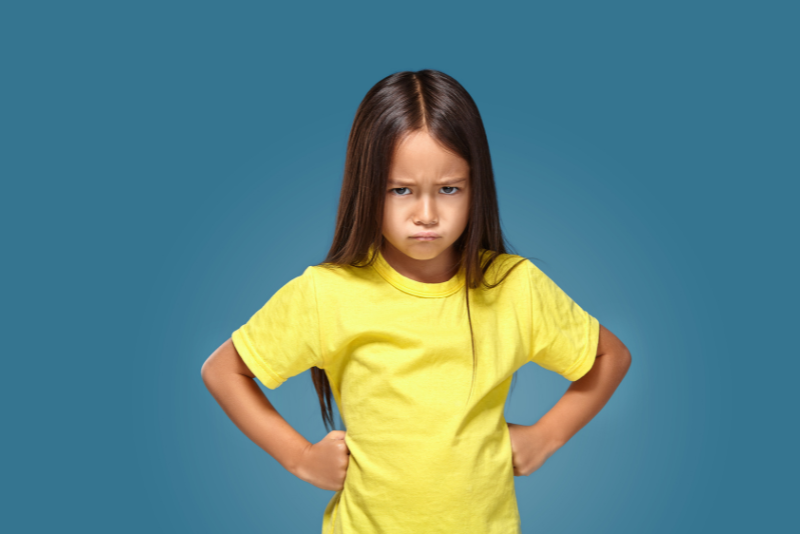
432, 271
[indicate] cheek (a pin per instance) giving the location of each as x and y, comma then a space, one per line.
463, 212
388, 217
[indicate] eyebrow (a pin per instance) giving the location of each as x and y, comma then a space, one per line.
443, 182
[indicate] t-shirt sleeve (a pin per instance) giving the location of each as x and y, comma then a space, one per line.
564, 337
281, 339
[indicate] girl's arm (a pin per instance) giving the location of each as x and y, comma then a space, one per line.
584, 398
232, 384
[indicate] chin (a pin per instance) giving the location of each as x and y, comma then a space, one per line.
423, 250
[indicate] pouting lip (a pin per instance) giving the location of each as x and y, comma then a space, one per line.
426, 234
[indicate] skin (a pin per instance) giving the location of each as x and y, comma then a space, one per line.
232, 384
427, 190
532, 445
424, 194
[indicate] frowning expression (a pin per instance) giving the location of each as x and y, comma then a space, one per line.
427, 193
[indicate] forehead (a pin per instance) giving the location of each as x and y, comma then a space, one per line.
419, 156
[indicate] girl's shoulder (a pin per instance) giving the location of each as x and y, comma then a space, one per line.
335, 277
503, 265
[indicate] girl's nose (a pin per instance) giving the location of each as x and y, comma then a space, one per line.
426, 212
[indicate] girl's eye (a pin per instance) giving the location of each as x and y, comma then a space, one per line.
445, 187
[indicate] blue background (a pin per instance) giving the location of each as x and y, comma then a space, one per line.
167, 166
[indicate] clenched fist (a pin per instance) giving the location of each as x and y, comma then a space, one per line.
530, 448
324, 464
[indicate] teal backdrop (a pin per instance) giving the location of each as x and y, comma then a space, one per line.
167, 166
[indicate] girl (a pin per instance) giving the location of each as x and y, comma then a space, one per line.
415, 323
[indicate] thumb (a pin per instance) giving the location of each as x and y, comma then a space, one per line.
336, 434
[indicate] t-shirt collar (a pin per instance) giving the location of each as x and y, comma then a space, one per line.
414, 287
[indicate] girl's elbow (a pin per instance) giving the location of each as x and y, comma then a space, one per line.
625, 359
207, 370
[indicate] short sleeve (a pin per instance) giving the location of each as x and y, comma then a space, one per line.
563, 336
281, 339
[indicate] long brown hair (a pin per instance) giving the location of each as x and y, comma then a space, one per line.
397, 105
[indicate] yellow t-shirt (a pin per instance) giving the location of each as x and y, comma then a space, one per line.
398, 357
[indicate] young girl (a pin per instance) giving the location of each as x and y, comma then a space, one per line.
415, 323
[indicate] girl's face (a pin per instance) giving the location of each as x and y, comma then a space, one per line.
427, 191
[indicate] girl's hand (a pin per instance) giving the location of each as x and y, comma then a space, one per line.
530, 448
324, 464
